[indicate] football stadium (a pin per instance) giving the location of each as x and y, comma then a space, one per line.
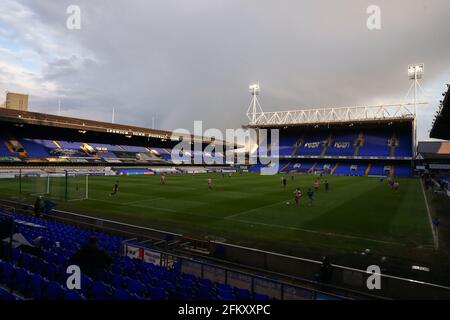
329, 203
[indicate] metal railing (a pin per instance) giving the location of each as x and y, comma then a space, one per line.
274, 288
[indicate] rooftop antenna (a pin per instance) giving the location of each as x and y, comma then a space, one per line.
254, 110
113, 115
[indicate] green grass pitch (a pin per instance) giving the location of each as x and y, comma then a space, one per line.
254, 210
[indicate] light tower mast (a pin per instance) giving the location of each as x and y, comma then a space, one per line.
415, 73
254, 109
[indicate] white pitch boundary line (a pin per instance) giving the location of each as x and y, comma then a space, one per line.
80, 199
311, 231
430, 220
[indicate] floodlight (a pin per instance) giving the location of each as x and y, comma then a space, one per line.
254, 88
415, 71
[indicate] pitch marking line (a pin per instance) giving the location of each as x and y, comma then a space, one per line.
80, 199
433, 231
311, 231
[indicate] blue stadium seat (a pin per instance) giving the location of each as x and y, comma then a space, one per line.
6, 296
99, 291
259, 296
53, 291
7, 273
204, 293
242, 294
16, 254
21, 279
136, 287
25, 260
158, 294
121, 294
117, 281
206, 283
86, 285
72, 295
130, 279
36, 286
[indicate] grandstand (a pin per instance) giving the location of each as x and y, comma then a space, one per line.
439, 128
356, 147
29, 138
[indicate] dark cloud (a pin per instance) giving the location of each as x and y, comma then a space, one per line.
181, 61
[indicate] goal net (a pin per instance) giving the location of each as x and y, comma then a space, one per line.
58, 185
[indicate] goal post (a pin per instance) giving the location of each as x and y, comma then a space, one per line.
58, 185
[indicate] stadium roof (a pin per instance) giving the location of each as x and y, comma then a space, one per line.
441, 124
84, 126
434, 149
334, 115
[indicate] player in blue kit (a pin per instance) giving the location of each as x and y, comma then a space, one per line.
310, 194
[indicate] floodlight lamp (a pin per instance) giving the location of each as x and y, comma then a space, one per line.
415, 71
254, 88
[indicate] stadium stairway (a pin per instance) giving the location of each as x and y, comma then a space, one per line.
360, 139
297, 145
325, 147
334, 168
43, 275
393, 144
312, 167
284, 167
56, 143
392, 170
367, 172
86, 148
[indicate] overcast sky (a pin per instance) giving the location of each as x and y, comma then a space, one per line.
186, 60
